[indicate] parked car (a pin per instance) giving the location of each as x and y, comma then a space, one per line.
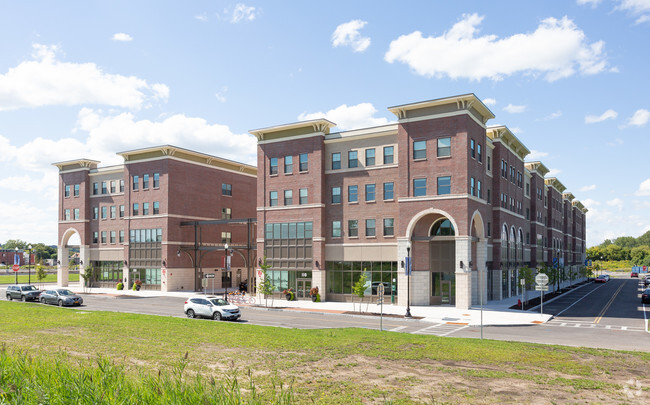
23, 292
603, 278
211, 306
645, 296
60, 297
634, 273
646, 281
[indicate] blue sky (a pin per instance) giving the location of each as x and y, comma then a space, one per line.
92, 78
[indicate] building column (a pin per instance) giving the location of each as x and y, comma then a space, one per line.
84, 256
464, 274
480, 285
62, 272
402, 279
319, 279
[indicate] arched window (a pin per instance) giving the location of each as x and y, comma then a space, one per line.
520, 246
443, 228
504, 246
512, 245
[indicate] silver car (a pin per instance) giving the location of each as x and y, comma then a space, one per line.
60, 297
210, 306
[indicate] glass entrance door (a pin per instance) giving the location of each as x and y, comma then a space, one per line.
304, 285
445, 287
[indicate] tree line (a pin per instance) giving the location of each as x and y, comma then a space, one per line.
41, 250
624, 248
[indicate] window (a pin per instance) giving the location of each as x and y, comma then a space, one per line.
527, 189
226, 189
273, 166
479, 189
304, 162
336, 229
444, 147
113, 189
113, 212
504, 169
104, 211
226, 213
303, 196
472, 186
336, 161
121, 186
489, 196
273, 198
145, 208
76, 213
353, 228
419, 149
156, 207
95, 188
104, 189
67, 191
113, 237
121, 211
444, 185
156, 180
370, 227
389, 152
388, 191
103, 237
419, 187
136, 182
472, 148
479, 153
336, 195
95, 212
389, 226
370, 192
145, 182
353, 194
288, 164
370, 157
76, 190
288, 197
95, 237
489, 164
489, 229
353, 160
527, 213
226, 237
121, 236
136, 208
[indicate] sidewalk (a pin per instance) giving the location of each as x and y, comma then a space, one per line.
493, 313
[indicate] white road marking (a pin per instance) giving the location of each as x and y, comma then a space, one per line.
397, 329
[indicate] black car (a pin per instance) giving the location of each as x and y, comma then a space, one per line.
645, 296
646, 281
60, 297
23, 292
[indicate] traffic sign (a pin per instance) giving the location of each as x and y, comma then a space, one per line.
204, 283
541, 279
541, 288
208, 275
16, 267
380, 290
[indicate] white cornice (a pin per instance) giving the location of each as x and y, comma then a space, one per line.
290, 207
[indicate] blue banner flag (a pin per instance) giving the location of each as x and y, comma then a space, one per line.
407, 266
16, 259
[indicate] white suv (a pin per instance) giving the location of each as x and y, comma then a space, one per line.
211, 306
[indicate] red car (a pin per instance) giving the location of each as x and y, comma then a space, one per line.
602, 278
634, 274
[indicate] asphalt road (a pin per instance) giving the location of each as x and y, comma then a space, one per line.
608, 315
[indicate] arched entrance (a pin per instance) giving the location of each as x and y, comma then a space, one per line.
71, 256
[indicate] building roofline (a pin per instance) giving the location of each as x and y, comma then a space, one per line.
464, 100
318, 125
170, 150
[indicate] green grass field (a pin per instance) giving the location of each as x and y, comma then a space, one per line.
280, 365
22, 279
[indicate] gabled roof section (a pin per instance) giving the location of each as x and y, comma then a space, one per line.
297, 129
537, 167
555, 183
568, 196
465, 102
501, 133
77, 164
163, 151
579, 206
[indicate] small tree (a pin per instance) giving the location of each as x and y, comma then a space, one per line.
359, 288
72, 265
87, 276
528, 275
40, 274
266, 286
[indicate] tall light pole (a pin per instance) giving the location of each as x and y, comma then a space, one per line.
29, 264
409, 268
16, 254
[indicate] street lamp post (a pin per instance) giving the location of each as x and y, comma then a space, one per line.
16, 254
29, 264
409, 267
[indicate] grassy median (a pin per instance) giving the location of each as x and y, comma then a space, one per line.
24, 278
174, 357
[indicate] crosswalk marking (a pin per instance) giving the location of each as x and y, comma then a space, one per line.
397, 329
440, 329
575, 324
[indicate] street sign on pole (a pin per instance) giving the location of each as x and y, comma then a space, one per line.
380, 299
541, 288
15, 267
541, 279
208, 275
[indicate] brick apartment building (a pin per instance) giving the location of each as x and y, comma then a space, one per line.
8, 256
440, 186
157, 218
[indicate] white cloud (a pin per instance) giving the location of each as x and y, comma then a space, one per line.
536, 155
592, 3
588, 188
516, 130
489, 101
615, 142
201, 17
242, 12
639, 8
221, 94
122, 37
609, 114
553, 172
639, 119
349, 117
557, 49
514, 109
47, 81
552, 116
348, 34
644, 189
616, 202
589, 203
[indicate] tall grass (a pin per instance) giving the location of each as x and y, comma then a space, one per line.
29, 379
